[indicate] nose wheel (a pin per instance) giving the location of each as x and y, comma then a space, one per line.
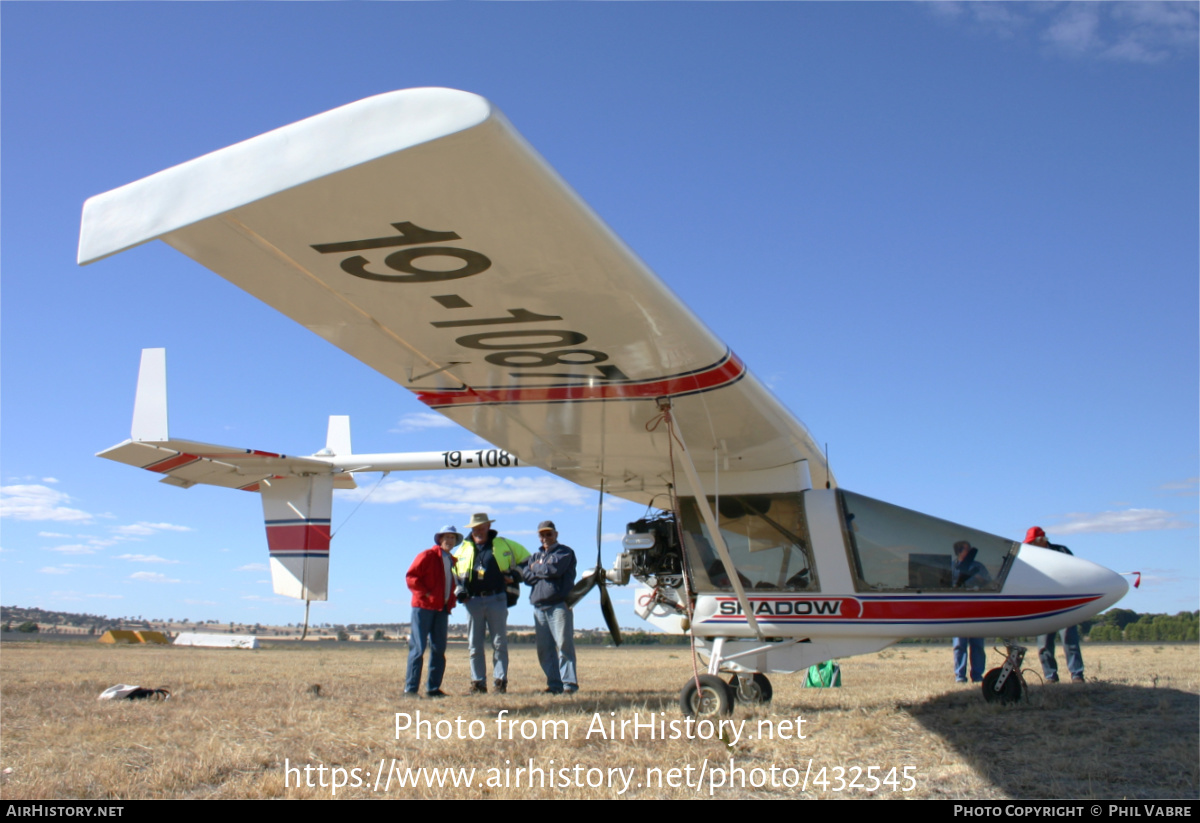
1005, 685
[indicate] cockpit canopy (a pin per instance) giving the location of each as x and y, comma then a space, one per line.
888, 548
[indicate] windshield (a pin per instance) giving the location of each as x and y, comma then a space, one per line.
900, 549
767, 537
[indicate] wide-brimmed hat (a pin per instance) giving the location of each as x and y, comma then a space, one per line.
437, 538
479, 519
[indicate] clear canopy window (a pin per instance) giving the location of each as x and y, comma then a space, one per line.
895, 549
766, 535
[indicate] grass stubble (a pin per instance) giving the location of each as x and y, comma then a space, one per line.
236, 716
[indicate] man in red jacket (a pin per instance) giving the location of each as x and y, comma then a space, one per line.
431, 580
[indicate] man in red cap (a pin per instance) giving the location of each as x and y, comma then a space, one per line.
1037, 537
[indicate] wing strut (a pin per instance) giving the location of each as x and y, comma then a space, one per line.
710, 519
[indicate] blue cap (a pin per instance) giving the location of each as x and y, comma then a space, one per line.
437, 538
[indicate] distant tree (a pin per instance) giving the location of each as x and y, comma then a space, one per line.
29, 627
379, 635
343, 635
8, 626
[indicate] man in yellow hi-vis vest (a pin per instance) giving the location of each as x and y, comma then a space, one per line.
485, 566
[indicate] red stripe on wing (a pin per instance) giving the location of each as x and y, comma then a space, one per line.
728, 370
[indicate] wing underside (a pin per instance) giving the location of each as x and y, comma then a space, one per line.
420, 233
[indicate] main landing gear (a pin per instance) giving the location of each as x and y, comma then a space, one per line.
1005, 685
710, 696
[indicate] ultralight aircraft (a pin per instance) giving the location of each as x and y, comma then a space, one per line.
420, 233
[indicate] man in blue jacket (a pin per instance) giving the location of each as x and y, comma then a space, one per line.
968, 573
551, 573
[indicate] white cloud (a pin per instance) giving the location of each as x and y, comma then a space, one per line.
420, 421
49, 479
1141, 32
152, 577
144, 558
35, 502
202, 602
143, 529
1076, 29
472, 493
108, 596
252, 567
1120, 522
75, 548
278, 601
53, 534
53, 570
1182, 488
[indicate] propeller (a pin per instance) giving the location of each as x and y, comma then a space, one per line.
598, 577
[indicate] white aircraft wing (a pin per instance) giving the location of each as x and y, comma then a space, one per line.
420, 233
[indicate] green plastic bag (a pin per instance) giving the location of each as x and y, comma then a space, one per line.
823, 676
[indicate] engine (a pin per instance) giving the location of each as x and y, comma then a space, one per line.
652, 552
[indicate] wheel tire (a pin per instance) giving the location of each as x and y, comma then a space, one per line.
1011, 692
713, 697
759, 694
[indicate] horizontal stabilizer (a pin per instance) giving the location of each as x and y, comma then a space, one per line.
188, 463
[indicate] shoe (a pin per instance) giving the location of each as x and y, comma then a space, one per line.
570, 688
411, 695
501, 686
553, 691
478, 687
434, 693
960, 680
1077, 678
1052, 679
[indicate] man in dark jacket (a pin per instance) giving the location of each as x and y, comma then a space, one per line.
551, 573
1037, 537
431, 580
968, 573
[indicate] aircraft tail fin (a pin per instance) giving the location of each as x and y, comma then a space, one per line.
297, 512
337, 439
150, 405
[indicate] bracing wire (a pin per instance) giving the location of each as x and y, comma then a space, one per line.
359, 506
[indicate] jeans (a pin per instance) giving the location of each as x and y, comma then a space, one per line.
428, 632
555, 627
978, 658
1070, 644
488, 615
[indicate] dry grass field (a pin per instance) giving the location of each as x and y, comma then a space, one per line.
244, 724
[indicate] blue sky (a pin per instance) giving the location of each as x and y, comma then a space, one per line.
958, 241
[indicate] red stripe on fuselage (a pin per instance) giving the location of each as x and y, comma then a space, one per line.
973, 609
726, 371
910, 610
